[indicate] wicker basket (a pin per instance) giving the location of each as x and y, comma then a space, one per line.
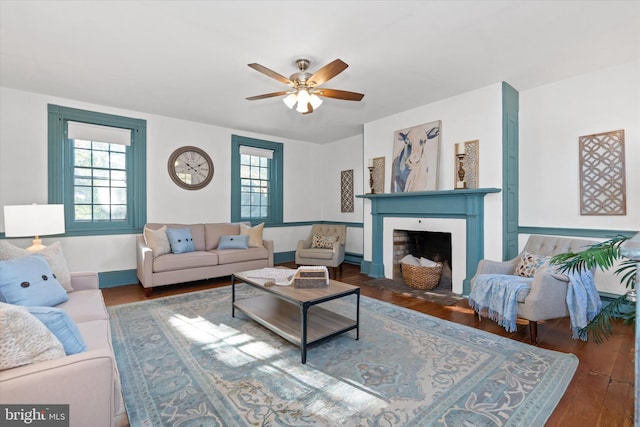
418, 277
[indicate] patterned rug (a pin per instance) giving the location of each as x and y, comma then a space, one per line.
184, 361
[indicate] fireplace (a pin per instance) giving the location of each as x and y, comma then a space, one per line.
460, 212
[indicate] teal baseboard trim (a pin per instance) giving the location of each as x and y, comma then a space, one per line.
351, 258
576, 232
282, 257
308, 223
290, 256
112, 279
365, 267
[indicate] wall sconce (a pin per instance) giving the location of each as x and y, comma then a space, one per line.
33, 220
460, 154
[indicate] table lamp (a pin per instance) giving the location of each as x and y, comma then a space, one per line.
33, 220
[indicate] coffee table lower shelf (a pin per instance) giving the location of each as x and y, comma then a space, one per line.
287, 320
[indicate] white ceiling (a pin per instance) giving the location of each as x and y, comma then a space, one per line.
188, 59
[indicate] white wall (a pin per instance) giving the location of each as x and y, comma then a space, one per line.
23, 177
552, 118
469, 116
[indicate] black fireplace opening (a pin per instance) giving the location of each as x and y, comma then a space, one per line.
432, 245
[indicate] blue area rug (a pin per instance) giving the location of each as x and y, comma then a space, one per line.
184, 361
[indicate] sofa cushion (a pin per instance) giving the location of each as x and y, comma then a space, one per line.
316, 253
233, 242
254, 233
230, 256
213, 232
170, 262
53, 254
157, 240
30, 281
65, 329
85, 306
180, 240
197, 232
25, 339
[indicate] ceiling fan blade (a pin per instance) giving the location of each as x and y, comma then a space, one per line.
339, 94
264, 70
267, 95
329, 71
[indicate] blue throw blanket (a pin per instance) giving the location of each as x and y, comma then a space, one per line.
583, 301
497, 296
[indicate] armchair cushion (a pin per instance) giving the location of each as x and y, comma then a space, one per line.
529, 264
323, 242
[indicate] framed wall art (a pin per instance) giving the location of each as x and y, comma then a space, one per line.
346, 191
602, 174
415, 158
378, 175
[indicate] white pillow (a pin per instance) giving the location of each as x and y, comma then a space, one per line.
410, 260
254, 233
427, 262
25, 339
53, 254
157, 240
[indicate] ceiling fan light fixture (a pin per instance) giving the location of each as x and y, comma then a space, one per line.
303, 100
290, 100
315, 101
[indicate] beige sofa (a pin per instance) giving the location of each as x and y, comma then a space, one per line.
89, 382
204, 263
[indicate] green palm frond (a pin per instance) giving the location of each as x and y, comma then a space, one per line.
600, 327
603, 256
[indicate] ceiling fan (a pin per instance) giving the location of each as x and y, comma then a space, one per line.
305, 86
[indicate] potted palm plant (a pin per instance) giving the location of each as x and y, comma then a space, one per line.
604, 256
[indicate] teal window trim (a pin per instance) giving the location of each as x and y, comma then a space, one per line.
275, 186
60, 186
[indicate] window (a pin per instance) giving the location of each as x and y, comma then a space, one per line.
97, 169
256, 184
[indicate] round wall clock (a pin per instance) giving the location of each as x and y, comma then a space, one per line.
190, 168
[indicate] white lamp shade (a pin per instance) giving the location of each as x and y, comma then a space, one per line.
315, 101
303, 101
290, 100
33, 220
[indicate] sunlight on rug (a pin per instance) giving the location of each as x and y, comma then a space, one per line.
184, 361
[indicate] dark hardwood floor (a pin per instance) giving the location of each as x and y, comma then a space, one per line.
600, 394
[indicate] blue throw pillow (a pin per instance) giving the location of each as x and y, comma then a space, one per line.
29, 281
180, 240
60, 324
233, 242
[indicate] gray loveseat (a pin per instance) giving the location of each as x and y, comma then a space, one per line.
206, 262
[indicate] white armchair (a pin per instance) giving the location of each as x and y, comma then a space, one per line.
548, 296
309, 254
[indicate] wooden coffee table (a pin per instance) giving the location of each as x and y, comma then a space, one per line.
290, 312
